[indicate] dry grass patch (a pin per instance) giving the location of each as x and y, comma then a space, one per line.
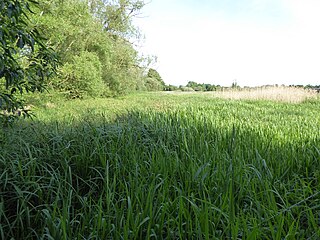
282, 94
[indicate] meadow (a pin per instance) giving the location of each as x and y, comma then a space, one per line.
162, 166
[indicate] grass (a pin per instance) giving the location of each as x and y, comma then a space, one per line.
279, 94
155, 166
282, 94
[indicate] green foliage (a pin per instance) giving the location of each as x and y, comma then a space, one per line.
186, 89
116, 16
170, 88
152, 73
192, 84
154, 81
123, 73
153, 84
201, 87
209, 87
96, 27
83, 76
25, 60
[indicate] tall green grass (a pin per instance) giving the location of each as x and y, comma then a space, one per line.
149, 167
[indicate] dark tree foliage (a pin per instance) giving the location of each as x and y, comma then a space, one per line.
170, 88
25, 61
201, 87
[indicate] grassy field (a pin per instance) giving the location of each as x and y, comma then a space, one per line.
162, 166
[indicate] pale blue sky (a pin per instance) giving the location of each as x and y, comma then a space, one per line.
254, 41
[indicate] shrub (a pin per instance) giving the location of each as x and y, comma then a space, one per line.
186, 89
153, 84
83, 76
171, 88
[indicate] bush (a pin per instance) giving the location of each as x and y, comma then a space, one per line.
186, 89
171, 88
83, 76
153, 84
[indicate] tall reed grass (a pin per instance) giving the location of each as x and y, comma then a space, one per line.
278, 94
282, 94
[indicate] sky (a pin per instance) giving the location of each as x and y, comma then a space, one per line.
252, 42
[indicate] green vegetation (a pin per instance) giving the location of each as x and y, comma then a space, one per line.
94, 41
154, 81
202, 87
143, 166
161, 166
94, 37
25, 60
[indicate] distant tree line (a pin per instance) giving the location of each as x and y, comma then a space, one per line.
204, 87
193, 86
316, 87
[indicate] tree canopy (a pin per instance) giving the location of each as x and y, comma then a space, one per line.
94, 31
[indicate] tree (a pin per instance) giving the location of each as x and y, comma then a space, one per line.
154, 80
116, 16
83, 76
152, 73
93, 27
25, 61
192, 84
235, 84
171, 88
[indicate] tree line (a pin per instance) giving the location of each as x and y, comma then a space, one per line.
78, 47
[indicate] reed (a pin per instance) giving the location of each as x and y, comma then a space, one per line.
282, 94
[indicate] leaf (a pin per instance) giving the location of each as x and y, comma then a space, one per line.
34, 2
31, 42
28, 7
20, 43
144, 221
1, 66
1, 6
10, 10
